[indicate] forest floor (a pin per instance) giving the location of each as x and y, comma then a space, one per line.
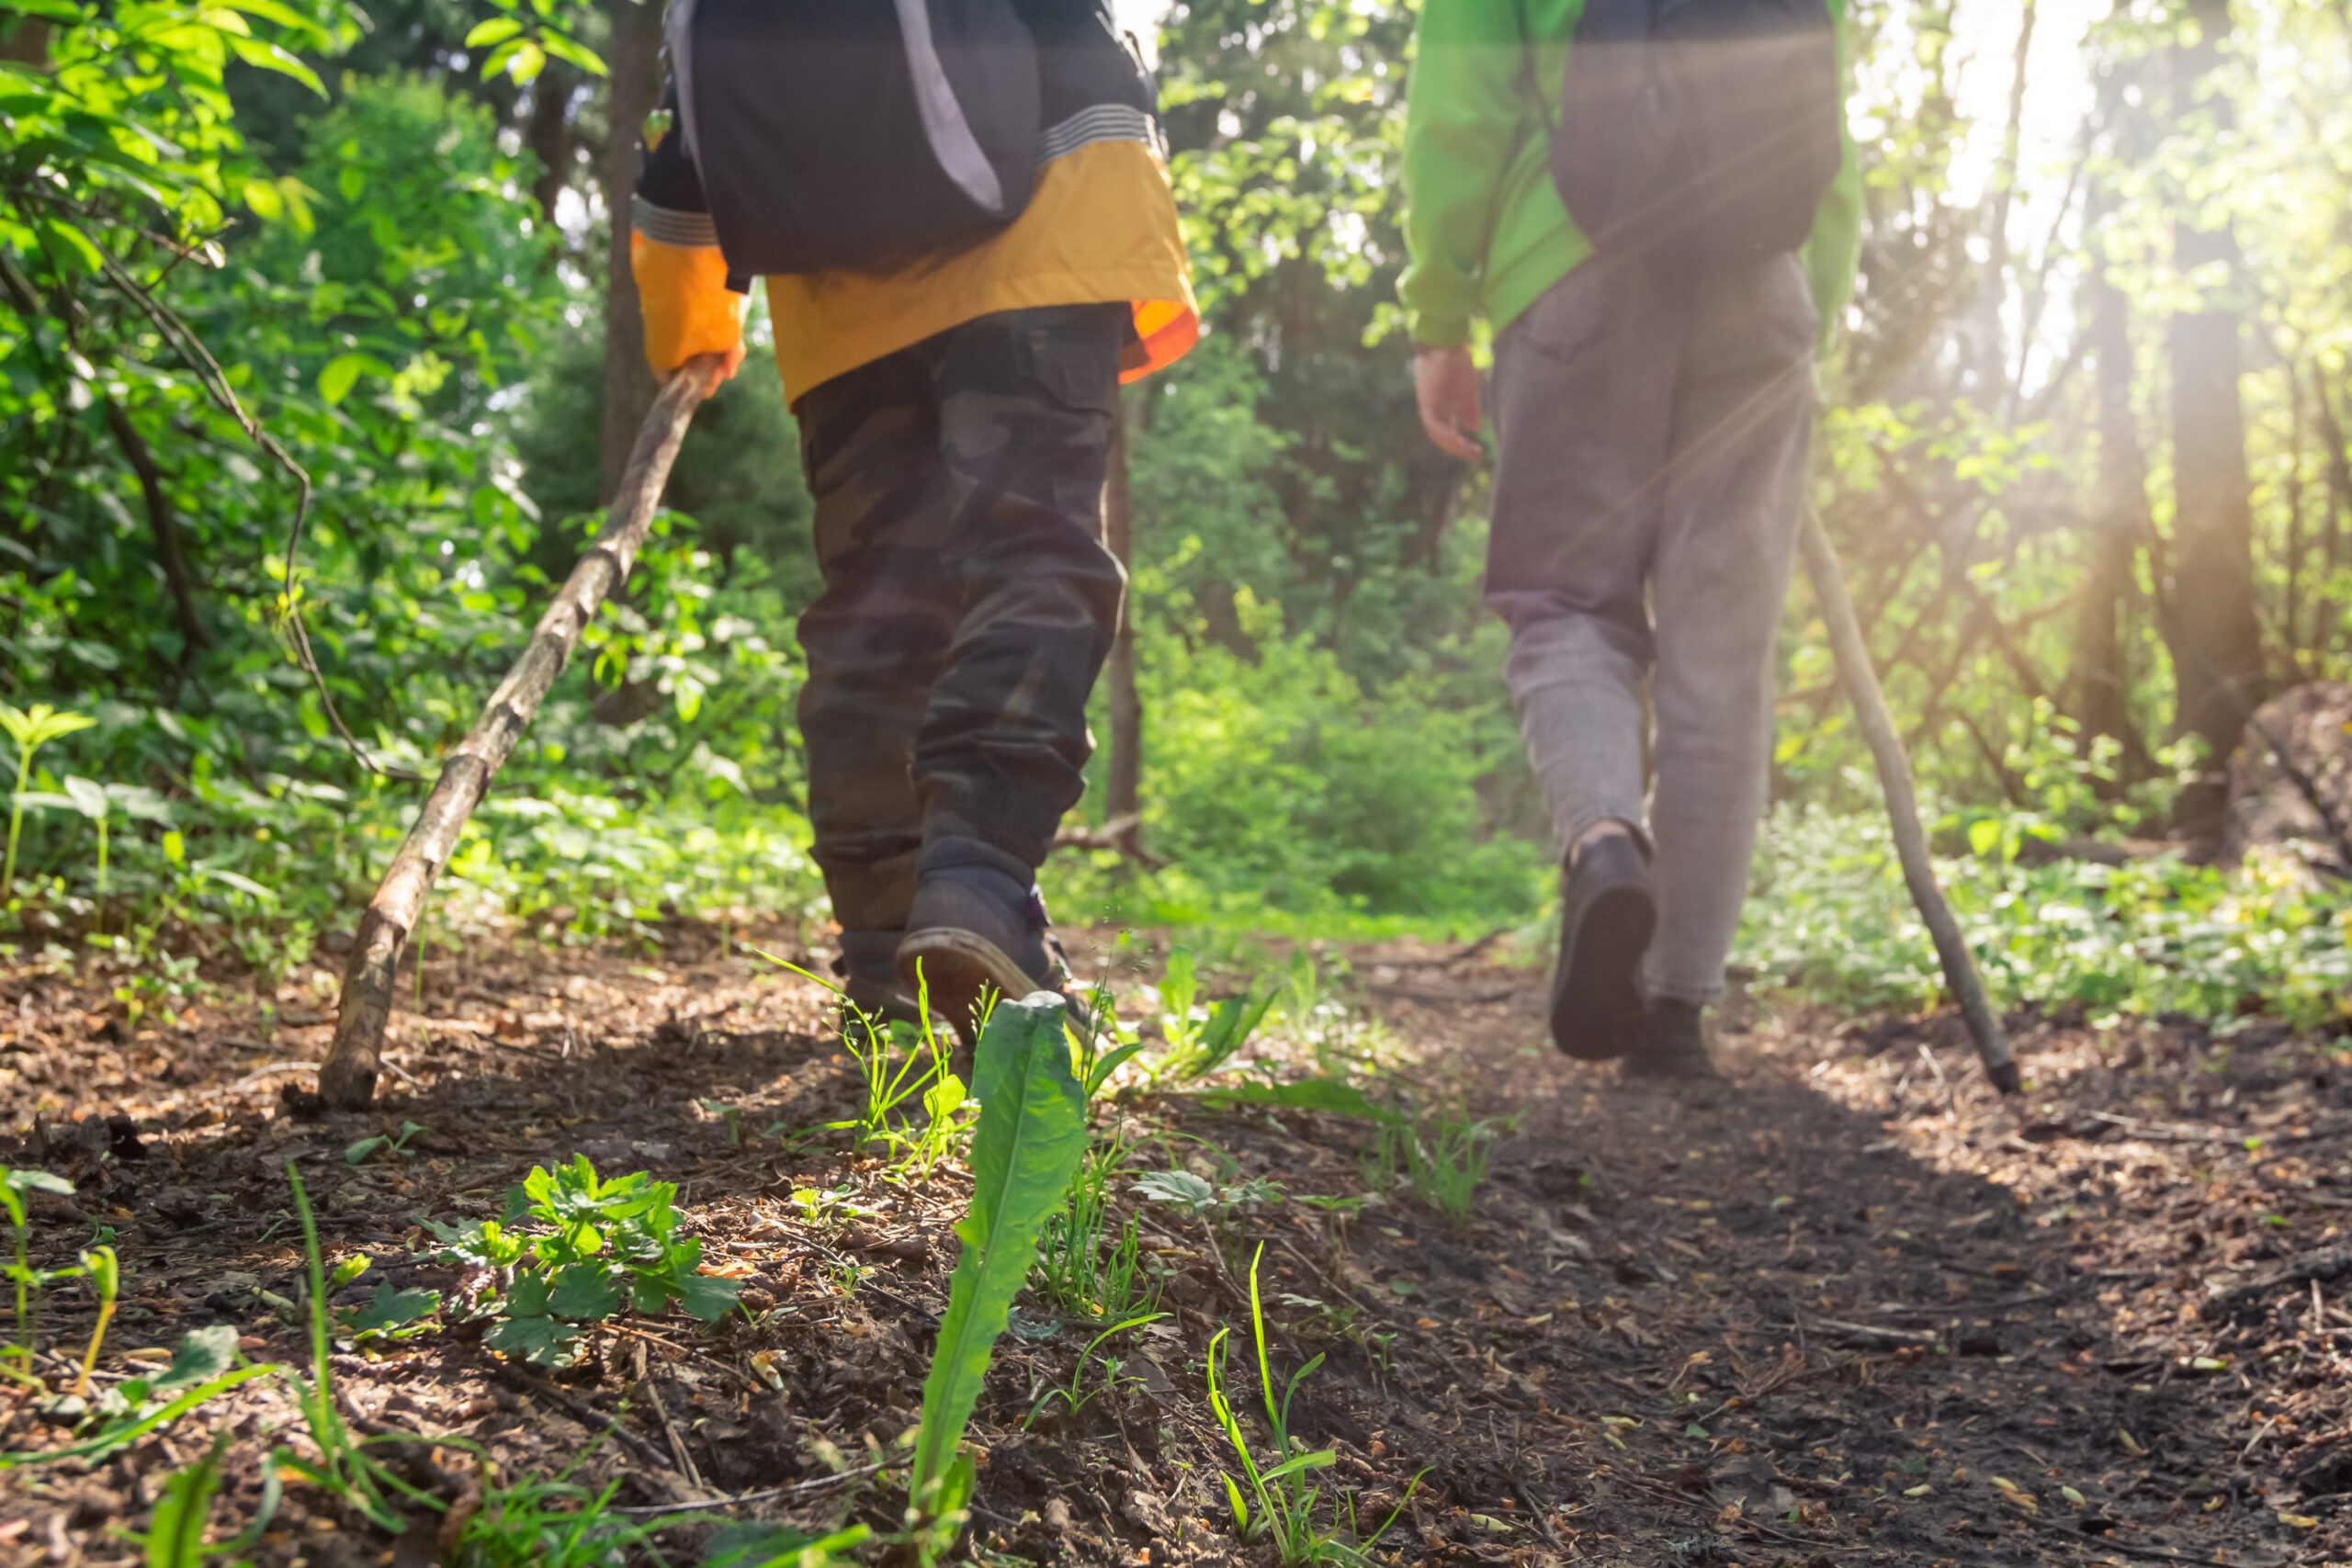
1851, 1309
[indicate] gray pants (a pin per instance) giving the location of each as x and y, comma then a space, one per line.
1652, 476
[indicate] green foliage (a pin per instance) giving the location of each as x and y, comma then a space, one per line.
176, 1534
361, 1150
13, 1185
1445, 1155
575, 1248
1090, 1262
1201, 1040
2149, 936
1275, 1500
1031, 1134
1069, 1396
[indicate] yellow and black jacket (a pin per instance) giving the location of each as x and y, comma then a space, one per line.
1100, 227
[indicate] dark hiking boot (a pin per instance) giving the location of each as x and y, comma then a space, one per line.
1606, 918
872, 993
1671, 1049
978, 928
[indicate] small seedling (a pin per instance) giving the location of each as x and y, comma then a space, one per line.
358, 1153
1285, 1501
104, 1272
13, 1185
1069, 1396
30, 730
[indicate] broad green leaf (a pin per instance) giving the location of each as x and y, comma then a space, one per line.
706, 1296
270, 57
343, 371
1025, 1148
389, 1309
497, 29
584, 1291
89, 797
540, 1339
580, 54
203, 1353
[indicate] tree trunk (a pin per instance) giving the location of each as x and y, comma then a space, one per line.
27, 42
2339, 500
2216, 642
1994, 362
548, 136
1125, 802
634, 55
171, 554
2102, 683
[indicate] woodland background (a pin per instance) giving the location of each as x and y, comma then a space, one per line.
2082, 448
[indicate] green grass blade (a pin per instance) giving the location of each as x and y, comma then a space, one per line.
1025, 1148
176, 1539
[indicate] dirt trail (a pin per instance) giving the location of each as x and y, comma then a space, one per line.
1849, 1309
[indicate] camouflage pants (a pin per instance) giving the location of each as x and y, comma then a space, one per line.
968, 602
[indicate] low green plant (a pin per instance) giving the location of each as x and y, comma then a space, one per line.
31, 729
389, 1315
174, 1537
1025, 1148
104, 1271
574, 1248
1197, 1198
1073, 1399
771, 1546
1274, 1499
1201, 1040
359, 1152
896, 1061
1446, 1155
1084, 1267
22, 1275
550, 1522
1830, 922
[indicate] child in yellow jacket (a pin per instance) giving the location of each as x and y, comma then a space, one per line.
956, 417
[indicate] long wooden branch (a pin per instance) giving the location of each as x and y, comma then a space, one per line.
347, 1080
1903, 803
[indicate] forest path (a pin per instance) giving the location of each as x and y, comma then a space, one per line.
1852, 1308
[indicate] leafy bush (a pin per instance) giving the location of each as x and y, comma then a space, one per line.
1830, 918
574, 1248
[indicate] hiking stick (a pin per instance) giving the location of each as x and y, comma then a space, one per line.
347, 1078
1902, 803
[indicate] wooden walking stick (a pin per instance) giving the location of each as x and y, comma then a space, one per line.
347, 1080
1902, 803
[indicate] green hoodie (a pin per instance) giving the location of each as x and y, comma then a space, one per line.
1486, 227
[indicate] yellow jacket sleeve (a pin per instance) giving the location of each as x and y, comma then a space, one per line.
682, 289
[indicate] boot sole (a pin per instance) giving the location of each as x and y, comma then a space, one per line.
1595, 1007
957, 968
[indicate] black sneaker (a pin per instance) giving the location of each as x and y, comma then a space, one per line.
868, 967
978, 925
1606, 918
1672, 1048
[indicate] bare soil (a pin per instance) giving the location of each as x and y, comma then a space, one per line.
1852, 1308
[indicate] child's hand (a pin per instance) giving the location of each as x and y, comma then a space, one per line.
728, 363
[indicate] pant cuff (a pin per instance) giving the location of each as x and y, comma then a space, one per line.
1666, 991
1585, 822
